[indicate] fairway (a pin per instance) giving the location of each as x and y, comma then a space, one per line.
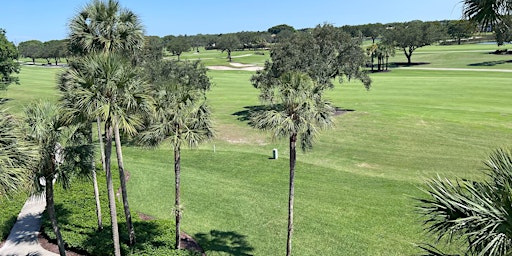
355, 190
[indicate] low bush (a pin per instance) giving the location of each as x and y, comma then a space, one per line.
76, 216
9, 210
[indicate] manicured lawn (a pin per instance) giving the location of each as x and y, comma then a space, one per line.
355, 189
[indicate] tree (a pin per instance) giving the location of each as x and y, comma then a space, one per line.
178, 45
54, 49
372, 30
15, 157
503, 30
486, 12
153, 49
280, 28
477, 212
8, 53
458, 29
228, 43
412, 35
108, 87
324, 54
182, 116
108, 28
298, 112
63, 151
31, 49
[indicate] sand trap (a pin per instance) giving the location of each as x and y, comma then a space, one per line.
236, 66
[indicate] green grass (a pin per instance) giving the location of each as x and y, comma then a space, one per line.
355, 189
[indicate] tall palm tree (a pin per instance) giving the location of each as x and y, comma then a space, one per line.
298, 113
107, 86
106, 27
181, 114
63, 150
15, 157
477, 212
487, 12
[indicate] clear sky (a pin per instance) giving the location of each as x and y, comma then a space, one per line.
47, 19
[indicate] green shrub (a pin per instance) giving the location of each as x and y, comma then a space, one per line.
9, 210
76, 216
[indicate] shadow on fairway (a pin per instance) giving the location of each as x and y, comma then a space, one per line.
229, 242
245, 115
489, 63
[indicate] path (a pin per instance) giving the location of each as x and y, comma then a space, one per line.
22, 240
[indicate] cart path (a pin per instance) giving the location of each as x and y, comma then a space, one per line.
23, 237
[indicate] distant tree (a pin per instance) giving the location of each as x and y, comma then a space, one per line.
412, 35
280, 28
197, 41
229, 43
297, 110
182, 116
459, 29
324, 54
503, 30
55, 49
31, 49
372, 30
178, 45
63, 151
8, 65
152, 50
383, 52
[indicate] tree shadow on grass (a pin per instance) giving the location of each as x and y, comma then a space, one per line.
229, 242
245, 115
489, 63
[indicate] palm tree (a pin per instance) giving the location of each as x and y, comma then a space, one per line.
477, 212
181, 115
108, 28
107, 86
487, 12
15, 157
63, 150
104, 26
299, 113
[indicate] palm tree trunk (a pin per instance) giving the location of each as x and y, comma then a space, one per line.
100, 139
50, 207
110, 188
177, 170
95, 182
293, 156
122, 178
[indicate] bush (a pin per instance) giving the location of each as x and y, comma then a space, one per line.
9, 210
76, 216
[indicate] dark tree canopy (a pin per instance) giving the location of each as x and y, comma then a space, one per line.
229, 43
412, 35
178, 45
31, 49
153, 49
8, 65
459, 29
280, 28
324, 54
55, 49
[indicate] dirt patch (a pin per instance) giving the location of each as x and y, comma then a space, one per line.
188, 243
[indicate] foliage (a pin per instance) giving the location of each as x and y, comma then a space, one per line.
55, 49
228, 43
324, 54
178, 45
459, 29
475, 211
15, 157
31, 49
9, 209
486, 12
76, 211
152, 50
503, 30
105, 26
280, 28
8, 53
412, 35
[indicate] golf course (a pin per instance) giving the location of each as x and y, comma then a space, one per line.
356, 191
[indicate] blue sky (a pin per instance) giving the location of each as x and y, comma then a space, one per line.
47, 19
